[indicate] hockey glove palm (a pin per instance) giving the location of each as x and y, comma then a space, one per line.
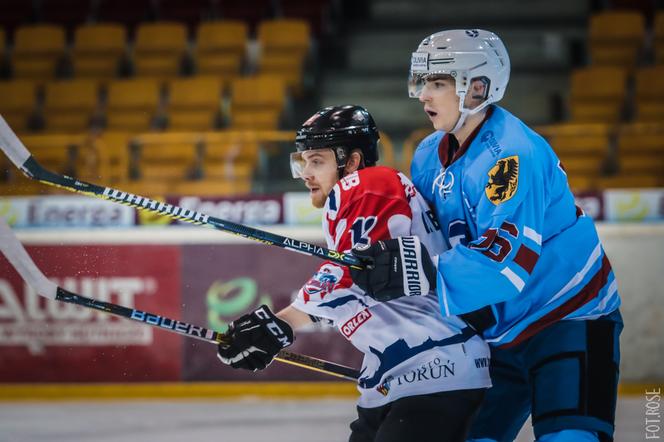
254, 340
395, 267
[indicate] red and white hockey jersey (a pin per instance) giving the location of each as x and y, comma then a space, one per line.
409, 347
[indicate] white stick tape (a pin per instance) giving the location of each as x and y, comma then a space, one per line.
14, 251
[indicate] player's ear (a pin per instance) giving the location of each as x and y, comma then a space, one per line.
478, 92
354, 162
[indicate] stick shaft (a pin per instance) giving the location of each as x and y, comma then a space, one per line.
201, 333
35, 171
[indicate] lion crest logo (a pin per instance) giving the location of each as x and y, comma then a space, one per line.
503, 180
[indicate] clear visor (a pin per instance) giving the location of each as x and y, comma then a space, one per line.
297, 164
311, 162
417, 81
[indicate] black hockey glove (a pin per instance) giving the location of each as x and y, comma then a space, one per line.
395, 267
254, 340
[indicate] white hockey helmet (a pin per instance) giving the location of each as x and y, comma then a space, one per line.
465, 54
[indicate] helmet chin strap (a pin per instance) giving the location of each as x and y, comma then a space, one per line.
462, 119
465, 112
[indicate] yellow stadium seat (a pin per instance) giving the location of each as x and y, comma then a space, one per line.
21, 186
257, 102
112, 154
649, 96
578, 138
284, 35
70, 105
230, 155
659, 37
386, 151
284, 44
616, 38
2, 41
643, 138
159, 49
220, 47
583, 150
98, 50
18, 102
287, 66
628, 181
56, 152
578, 166
580, 183
132, 104
641, 150
597, 94
167, 156
37, 49
194, 103
211, 188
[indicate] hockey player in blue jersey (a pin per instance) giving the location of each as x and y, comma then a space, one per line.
526, 267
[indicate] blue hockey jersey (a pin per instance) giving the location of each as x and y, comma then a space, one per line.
518, 242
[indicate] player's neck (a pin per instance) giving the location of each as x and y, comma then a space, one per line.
472, 122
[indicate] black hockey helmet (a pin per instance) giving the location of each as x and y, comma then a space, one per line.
342, 129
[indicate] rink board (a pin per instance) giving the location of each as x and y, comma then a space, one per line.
208, 278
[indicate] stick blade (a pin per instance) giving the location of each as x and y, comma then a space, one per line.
11, 145
14, 251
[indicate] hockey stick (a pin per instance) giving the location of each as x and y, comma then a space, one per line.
21, 261
21, 157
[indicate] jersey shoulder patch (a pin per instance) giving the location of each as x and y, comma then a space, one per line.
503, 180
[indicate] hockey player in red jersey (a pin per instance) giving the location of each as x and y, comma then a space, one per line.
423, 375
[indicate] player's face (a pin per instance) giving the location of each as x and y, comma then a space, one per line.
320, 174
441, 102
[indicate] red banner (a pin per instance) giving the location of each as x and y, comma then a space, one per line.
222, 282
43, 340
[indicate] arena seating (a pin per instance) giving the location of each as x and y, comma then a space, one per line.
284, 45
37, 51
159, 50
658, 32
132, 69
649, 94
583, 150
221, 47
257, 102
132, 104
616, 38
597, 94
18, 102
98, 50
70, 105
194, 103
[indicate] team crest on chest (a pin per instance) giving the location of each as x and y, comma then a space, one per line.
503, 180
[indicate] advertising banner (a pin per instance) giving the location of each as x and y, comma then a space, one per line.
299, 211
222, 282
44, 340
634, 205
592, 204
56, 211
248, 209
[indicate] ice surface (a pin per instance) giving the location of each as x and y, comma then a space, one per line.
247, 420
